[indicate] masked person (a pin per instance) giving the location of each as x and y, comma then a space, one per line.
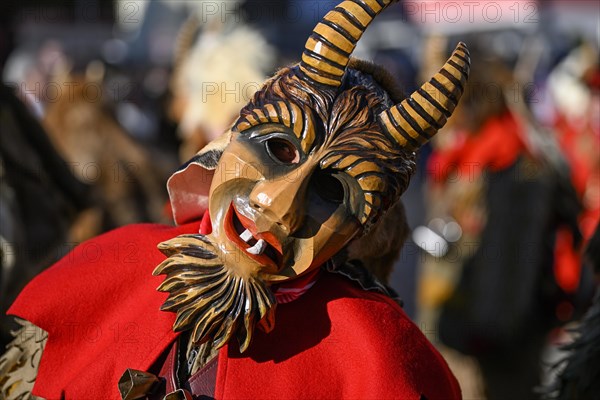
263, 299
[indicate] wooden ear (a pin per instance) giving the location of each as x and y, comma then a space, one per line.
189, 187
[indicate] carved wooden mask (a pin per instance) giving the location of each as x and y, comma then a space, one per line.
317, 156
321, 151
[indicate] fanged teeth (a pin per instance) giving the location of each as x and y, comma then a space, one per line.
258, 248
246, 236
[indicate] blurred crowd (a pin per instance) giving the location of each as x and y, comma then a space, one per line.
102, 101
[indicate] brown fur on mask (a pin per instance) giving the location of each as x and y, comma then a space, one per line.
380, 247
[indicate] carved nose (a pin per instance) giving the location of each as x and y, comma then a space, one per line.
282, 201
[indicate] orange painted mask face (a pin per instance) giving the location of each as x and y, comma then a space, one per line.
276, 210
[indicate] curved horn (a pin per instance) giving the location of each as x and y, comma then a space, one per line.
414, 121
328, 49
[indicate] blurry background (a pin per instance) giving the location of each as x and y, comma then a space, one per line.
103, 100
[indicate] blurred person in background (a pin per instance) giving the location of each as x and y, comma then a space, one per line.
574, 91
499, 205
574, 87
579, 372
69, 170
219, 64
127, 183
99, 103
39, 200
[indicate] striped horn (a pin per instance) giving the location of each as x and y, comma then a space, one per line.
328, 49
414, 121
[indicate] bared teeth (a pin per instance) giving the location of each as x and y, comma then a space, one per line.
246, 236
258, 248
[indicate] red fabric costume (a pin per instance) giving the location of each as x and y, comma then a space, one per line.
101, 310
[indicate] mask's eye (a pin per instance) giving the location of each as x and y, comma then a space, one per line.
283, 151
328, 186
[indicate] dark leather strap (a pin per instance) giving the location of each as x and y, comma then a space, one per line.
167, 372
201, 384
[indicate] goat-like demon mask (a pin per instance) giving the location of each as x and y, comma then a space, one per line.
314, 160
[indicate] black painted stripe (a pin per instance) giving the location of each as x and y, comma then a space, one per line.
353, 20
401, 131
434, 102
425, 115
366, 174
371, 138
240, 121
279, 113
302, 75
321, 72
354, 163
382, 4
303, 126
374, 195
444, 90
386, 131
252, 124
340, 30
293, 118
273, 118
291, 112
360, 150
366, 7
332, 154
466, 60
411, 121
255, 115
452, 79
325, 60
320, 38
460, 68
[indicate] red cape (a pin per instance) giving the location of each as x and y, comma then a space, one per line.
101, 309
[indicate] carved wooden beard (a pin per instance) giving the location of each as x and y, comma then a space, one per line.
317, 156
211, 300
